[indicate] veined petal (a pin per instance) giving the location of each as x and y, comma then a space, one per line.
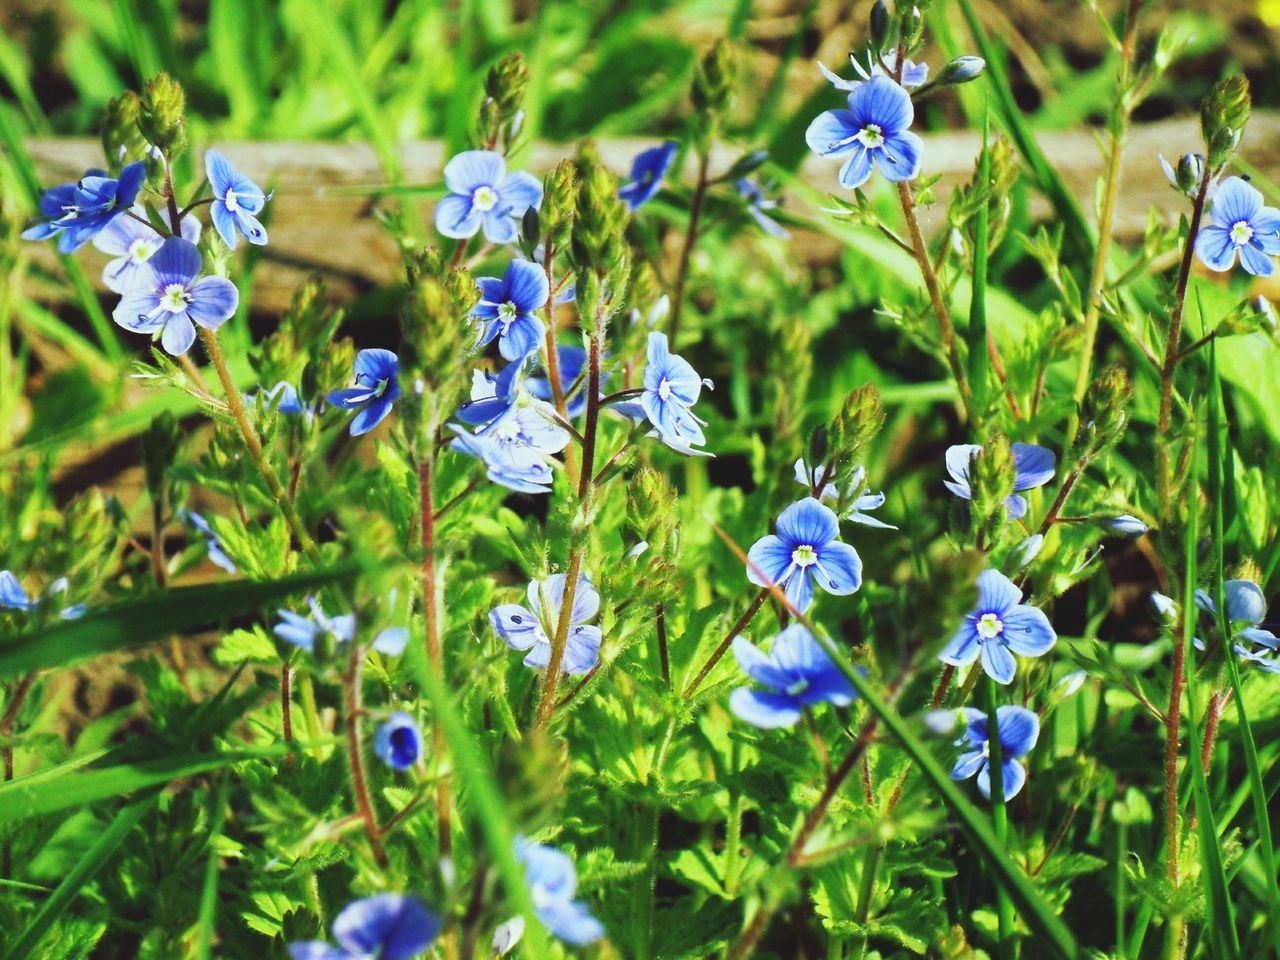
996, 593
517, 626
758, 665
472, 169
967, 764
582, 650
767, 561
455, 217
519, 191
830, 132
998, 662
1027, 631
855, 171
959, 458
213, 301
224, 221
1019, 730
799, 590
963, 648
809, 522
1033, 466
1214, 247
370, 416
839, 568
882, 102
764, 708
899, 158
177, 261
1255, 261
1235, 201
499, 227
526, 286
179, 334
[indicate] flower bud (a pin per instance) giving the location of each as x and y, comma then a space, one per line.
1223, 115
501, 116
712, 84
961, 70
559, 198
161, 119
878, 27
1126, 525
1104, 413
818, 445
122, 141
507, 935
159, 449
398, 741
992, 476
911, 28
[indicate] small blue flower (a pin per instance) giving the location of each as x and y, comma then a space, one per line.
860, 498
493, 397
647, 172
375, 392
170, 296
805, 549
757, 204
304, 631
213, 544
508, 306
997, 628
913, 75
1241, 225
1033, 467
482, 193
398, 741
515, 466
76, 212
286, 393
552, 883
387, 926
13, 596
237, 201
1246, 609
531, 627
797, 673
572, 363
1126, 525
1019, 729
874, 128
671, 388
132, 244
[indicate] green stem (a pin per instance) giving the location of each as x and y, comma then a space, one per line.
866, 890
999, 820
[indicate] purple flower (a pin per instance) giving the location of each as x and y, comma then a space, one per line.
132, 244
797, 673
398, 741
874, 128
387, 926
76, 212
553, 882
531, 627
170, 297
1018, 728
237, 201
1033, 467
1241, 225
997, 628
913, 75
805, 549
508, 306
647, 172
375, 392
483, 194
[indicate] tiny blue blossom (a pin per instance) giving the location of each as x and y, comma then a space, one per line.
1018, 727
132, 244
913, 74
375, 393
237, 201
997, 628
797, 673
1246, 609
531, 627
805, 549
1240, 225
647, 172
492, 397
287, 395
398, 741
1029, 549
515, 466
508, 306
304, 631
170, 297
217, 555
861, 499
1033, 467
758, 205
386, 926
873, 128
483, 194
552, 883
671, 388
1126, 525
13, 596
77, 212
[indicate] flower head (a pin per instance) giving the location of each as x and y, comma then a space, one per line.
805, 550
13, 596
213, 544
873, 128
387, 926
375, 392
1018, 728
671, 388
647, 172
483, 194
169, 297
508, 306
398, 741
997, 628
132, 244
237, 201
305, 631
516, 466
860, 498
1241, 225
757, 205
913, 74
531, 627
1246, 608
1033, 467
76, 212
796, 673
552, 883
571, 363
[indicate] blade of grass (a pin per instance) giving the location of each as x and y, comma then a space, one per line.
209, 892
979, 362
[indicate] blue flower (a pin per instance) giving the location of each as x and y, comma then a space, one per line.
515, 466
304, 631
859, 497
532, 627
375, 392
76, 212
806, 548
1126, 525
1241, 224
572, 362
997, 628
913, 75
1033, 467
237, 201
671, 388
507, 308
132, 244
492, 397
213, 544
13, 596
873, 128
757, 204
387, 926
482, 193
1018, 728
647, 172
552, 883
286, 393
797, 673
1246, 609
398, 741
169, 296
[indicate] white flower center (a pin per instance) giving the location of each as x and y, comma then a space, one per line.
484, 199
989, 626
507, 314
871, 136
1241, 233
231, 201
175, 298
506, 430
381, 388
797, 687
141, 250
664, 390
804, 556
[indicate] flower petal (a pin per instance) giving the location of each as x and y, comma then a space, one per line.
899, 158
1235, 201
882, 102
213, 301
1027, 631
455, 217
1019, 730
518, 192
839, 569
808, 522
1033, 466
963, 648
767, 561
996, 593
764, 708
830, 128
1255, 261
998, 662
472, 169
1214, 248
179, 334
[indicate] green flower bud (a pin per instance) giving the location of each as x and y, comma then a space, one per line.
601, 253
122, 141
712, 84
991, 479
161, 119
1104, 412
911, 27
878, 25
1223, 115
651, 504
961, 70
500, 113
559, 199
159, 449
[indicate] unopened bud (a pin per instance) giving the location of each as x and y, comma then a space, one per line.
1126, 525
1223, 115
878, 27
992, 475
161, 119
962, 70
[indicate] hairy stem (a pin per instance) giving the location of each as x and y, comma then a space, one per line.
742, 622
431, 621
355, 754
